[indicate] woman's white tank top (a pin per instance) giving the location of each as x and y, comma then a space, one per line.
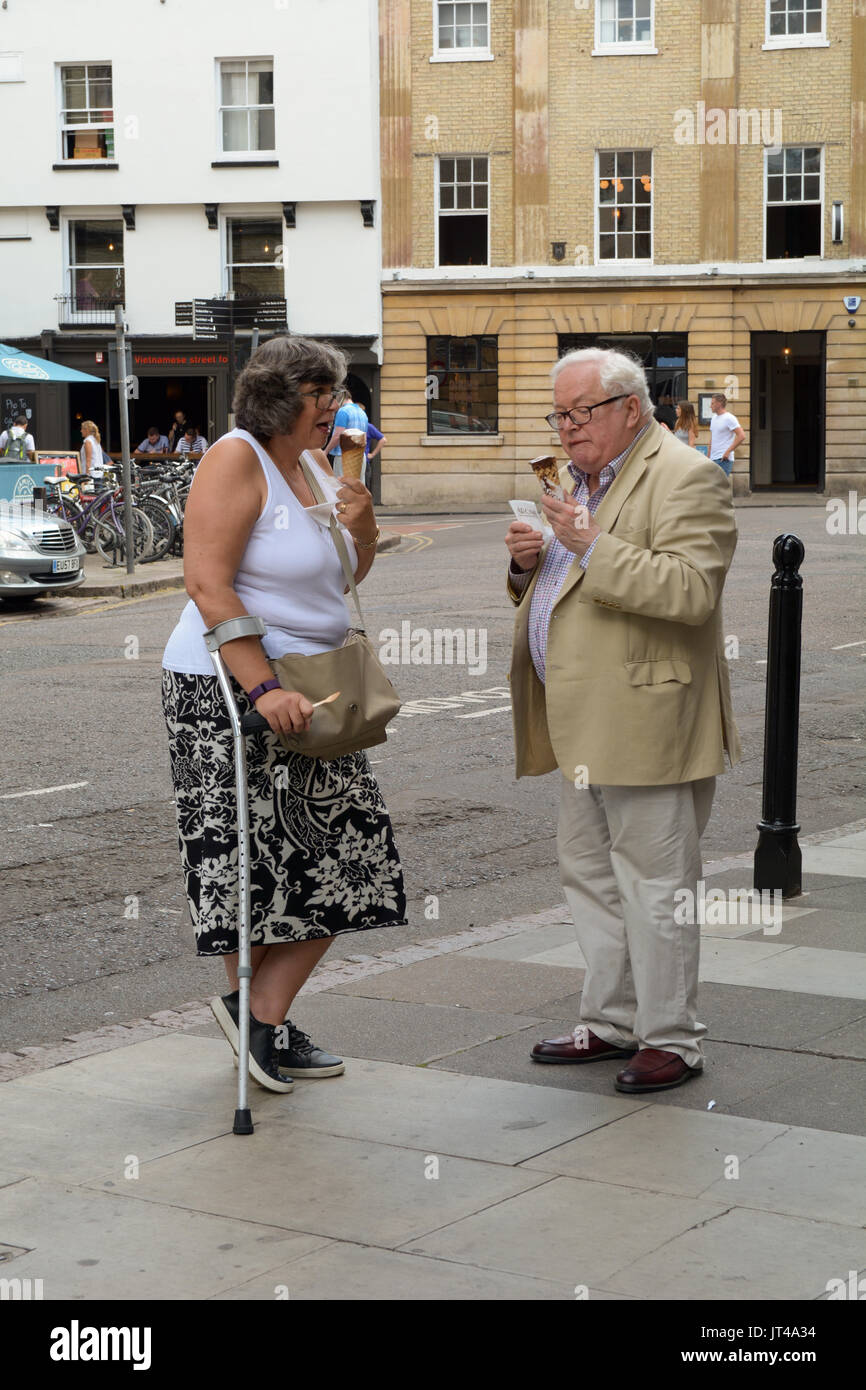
290, 575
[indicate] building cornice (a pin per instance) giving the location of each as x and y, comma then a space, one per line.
547, 277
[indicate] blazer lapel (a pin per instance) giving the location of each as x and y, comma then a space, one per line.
623, 485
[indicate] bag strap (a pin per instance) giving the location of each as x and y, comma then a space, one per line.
336, 533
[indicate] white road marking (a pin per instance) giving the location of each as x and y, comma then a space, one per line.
43, 791
480, 713
861, 643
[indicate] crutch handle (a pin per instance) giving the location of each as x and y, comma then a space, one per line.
254, 723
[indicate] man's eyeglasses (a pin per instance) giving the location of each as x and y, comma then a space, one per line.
580, 415
325, 399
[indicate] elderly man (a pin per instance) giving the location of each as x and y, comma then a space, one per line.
619, 679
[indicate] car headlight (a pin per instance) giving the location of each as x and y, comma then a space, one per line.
14, 540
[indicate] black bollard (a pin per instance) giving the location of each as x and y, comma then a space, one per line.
778, 860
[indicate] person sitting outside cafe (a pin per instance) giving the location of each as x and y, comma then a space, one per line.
192, 442
154, 443
16, 444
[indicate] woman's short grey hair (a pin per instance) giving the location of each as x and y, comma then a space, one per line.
267, 399
618, 372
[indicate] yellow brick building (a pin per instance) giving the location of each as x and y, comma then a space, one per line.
683, 178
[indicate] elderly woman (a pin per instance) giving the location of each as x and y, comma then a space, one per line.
323, 859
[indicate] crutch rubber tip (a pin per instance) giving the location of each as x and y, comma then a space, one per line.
243, 1122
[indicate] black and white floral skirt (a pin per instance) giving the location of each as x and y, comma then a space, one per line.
323, 859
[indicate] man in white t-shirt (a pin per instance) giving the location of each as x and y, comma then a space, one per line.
725, 433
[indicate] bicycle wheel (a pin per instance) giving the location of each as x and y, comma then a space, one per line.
65, 510
111, 541
162, 521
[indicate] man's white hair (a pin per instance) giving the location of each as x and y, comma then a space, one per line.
618, 372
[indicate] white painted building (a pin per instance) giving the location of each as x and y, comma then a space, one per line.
158, 152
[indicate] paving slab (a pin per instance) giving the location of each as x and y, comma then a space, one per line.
463, 982
569, 1230
305, 1180
828, 1096
747, 1255
525, 944
683, 1152
179, 1071
842, 1042
803, 969
443, 1113
390, 1031
804, 1172
835, 929
844, 860
348, 1272
95, 1245
770, 1017
69, 1134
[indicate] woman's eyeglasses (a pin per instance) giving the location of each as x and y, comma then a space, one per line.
325, 399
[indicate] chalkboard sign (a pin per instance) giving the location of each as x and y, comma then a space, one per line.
17, 405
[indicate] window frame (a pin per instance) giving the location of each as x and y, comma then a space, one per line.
616, 49
462, 435
69, 267
808, 202
460, 55
63, 128
458, 212
776, 41
622, 261
251, 215
248, 154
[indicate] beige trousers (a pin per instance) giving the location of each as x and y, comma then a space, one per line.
623, 853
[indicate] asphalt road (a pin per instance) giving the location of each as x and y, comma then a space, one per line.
93, 920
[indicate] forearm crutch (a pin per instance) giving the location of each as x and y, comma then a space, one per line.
215, 638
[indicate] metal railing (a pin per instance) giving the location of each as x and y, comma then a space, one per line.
87, 310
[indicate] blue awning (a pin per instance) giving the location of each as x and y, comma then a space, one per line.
20, 366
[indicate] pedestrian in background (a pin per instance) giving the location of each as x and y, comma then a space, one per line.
725, 433
686, 427
349, 417
16, 444
92, 455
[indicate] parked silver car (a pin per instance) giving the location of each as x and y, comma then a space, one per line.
39, 554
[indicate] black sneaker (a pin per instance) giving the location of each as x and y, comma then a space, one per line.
298, 1056
263, 1043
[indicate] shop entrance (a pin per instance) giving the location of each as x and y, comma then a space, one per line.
89, 401
158, 399
787, 424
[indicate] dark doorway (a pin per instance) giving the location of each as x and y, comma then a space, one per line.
158, 399
360, 392
91, 402
787, 425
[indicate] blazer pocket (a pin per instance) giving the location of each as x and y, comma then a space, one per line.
639, 538
657, 672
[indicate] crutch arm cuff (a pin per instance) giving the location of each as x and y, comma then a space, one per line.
232, 628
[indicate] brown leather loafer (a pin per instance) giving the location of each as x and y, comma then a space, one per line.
580, 1046
653, 1069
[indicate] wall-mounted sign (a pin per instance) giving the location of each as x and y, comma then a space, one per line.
180, 359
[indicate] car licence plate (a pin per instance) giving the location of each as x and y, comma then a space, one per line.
70, 562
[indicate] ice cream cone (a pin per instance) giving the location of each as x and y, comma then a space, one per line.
352, 452
545, 469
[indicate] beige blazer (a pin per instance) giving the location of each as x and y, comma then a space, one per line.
637, 690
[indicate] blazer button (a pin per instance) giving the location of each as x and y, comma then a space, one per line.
354, 709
